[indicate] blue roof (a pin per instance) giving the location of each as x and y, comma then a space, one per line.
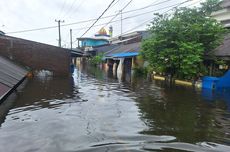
126, 54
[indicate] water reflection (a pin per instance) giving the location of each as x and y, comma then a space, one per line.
45, 89
180, 113
218, 94
174, 110
93, 111
40, 92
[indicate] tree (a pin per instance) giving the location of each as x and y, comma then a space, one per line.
210, 6
95, 60
180, 41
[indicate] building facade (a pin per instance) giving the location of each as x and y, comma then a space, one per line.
223, 15
99, 39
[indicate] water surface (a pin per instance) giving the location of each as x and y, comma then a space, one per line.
92, 111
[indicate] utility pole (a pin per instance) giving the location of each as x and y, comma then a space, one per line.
59, 31
71, 39
121, 21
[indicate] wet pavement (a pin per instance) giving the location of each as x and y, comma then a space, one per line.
92, 111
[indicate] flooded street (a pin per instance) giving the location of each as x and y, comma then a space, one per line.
92, 111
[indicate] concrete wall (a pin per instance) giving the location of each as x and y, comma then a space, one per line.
37, 56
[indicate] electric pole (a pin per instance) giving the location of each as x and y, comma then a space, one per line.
71, 39
121, 21
59, 31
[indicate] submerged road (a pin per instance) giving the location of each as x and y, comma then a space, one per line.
94, 112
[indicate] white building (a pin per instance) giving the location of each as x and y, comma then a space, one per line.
223, 15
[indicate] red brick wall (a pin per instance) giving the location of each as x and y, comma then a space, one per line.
37, 56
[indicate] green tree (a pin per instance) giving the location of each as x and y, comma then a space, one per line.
95, 60
210, 6
180, 41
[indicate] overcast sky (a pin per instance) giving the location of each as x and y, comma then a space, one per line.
19, 15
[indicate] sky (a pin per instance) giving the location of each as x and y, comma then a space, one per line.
21, 15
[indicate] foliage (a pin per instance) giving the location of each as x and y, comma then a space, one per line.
220, 62
95, 60
141, 68
140, 71
180, 41
210, 6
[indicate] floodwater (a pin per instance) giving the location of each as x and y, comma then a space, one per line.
91, 111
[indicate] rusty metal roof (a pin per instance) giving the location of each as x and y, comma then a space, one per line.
10, 75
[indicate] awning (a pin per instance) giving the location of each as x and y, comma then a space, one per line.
125, 55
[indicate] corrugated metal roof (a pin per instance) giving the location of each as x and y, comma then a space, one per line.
3, 89
10, 75
119, 50
224, 49
133, 47
105, 49
225, 3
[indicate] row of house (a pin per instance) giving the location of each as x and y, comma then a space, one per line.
223, 51
120, 52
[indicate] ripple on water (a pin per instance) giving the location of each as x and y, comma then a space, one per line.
87, 113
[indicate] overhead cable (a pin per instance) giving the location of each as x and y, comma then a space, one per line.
85, 21
98, 18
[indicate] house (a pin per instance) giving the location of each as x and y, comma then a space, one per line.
223, 51
120, 55
132, 37
122, 59
99, 39
91, 42
223, 15
2, 33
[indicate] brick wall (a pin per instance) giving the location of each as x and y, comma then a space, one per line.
37, 56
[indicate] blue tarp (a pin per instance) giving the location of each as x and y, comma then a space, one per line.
224, 81
209, 82
124, 55
217, 82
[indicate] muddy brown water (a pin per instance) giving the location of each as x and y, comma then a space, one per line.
91, 111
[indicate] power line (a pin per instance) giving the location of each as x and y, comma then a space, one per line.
118, 13
85, 21
132, 16
153, 4
115, 3
151, 18
62, 8
79, 22
173, 6
70, 8
127, 4
98, 18
78, 7
143, 23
